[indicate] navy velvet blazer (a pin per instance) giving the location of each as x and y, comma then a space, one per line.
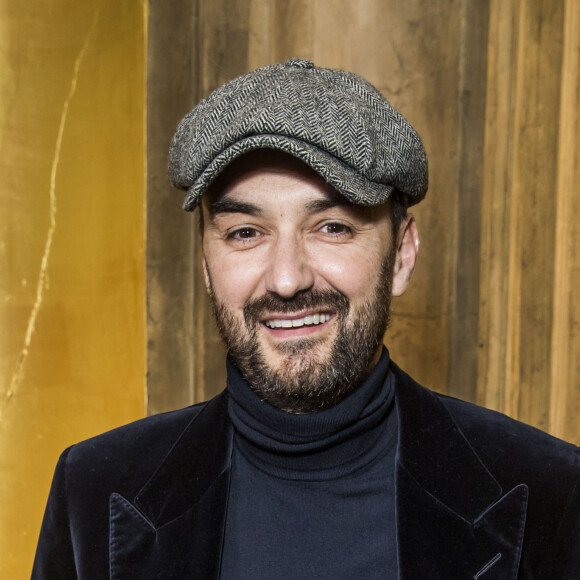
478, 496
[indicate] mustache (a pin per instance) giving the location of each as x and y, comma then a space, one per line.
256, 309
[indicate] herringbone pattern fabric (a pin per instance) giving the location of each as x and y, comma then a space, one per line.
335, 121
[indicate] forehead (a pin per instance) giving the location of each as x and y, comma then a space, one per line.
268, 177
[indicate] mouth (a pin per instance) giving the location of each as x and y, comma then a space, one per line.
310, 320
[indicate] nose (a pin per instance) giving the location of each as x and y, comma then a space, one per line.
289, 270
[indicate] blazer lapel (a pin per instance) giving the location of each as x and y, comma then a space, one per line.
453, 519
174, 527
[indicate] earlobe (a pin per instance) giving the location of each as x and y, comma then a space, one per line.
406, 254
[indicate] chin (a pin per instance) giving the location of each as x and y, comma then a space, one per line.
297, 353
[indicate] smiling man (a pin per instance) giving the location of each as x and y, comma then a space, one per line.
301, 279
321, 458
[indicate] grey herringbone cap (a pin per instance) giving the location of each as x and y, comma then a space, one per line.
333, 120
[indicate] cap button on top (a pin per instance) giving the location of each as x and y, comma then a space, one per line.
299, 63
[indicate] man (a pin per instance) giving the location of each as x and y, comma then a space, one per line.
321, 459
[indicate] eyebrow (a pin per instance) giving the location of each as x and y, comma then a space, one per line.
322, 204
228, 205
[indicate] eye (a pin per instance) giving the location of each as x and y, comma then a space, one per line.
244, 234
336, 229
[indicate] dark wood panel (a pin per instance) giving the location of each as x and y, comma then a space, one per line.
171, 91
464, 328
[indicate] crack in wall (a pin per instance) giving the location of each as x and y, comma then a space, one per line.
43, 280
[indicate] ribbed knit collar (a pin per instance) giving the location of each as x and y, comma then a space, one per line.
322, 445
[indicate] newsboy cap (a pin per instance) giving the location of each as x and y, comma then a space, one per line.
334, 121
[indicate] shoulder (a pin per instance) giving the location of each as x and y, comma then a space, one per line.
514, 448
155, 431
515, 451
125, 457
510, 448
485, 425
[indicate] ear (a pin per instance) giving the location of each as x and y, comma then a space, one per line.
406, 254
206, 275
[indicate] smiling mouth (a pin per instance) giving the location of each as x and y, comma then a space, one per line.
309, 320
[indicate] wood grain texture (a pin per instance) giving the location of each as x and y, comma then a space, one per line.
171, 91
541, 28
463, 336
565, 348
493, 313
496, 206
527, 363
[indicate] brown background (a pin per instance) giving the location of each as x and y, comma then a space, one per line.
493, 88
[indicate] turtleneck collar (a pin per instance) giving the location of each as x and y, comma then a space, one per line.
322, 445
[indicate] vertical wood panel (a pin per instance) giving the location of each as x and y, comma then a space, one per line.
496, 204
292, 30
222, 36
463, 339
565, 352
260, 27
527, 360
536, 170
172, 72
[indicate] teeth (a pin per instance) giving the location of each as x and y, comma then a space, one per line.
297, 322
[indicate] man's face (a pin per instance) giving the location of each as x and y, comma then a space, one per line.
300, 281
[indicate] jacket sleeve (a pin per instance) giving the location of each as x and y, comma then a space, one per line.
54, 554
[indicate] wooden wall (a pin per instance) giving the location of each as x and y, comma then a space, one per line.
493, 315
529, 316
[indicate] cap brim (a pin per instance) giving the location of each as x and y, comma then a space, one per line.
348, 182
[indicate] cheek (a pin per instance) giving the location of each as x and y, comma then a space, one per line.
233, 280
353, 273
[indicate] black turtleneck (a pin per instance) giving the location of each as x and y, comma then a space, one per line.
312, 495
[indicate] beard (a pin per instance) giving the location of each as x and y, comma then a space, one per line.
311, 375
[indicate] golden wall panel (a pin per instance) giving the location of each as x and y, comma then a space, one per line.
72, 302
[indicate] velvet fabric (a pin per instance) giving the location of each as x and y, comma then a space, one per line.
478, 496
